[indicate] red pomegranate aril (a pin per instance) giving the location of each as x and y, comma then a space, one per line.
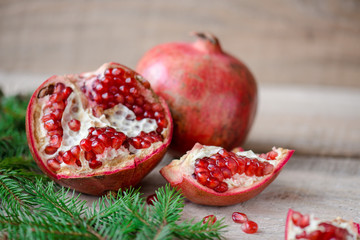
250, 168
271, 155
67, 91
241, 167
151, 199
75, 150
85, 144
202, 177
249, 227
94, 164
105, 139
55, 141
296, 218
53, 165
201, 163
51, 125
226, 172
58, 105
57, 97
74, 125
220, 162
210, 219
224, 153
304, 221
90, 156
145, 144
78, 162
68, 158
267, 168
217, 174
97, 147
232, 165
212, 182
239, 217
259, 171
116, 142
223, 187
201, 169
136, 142
49, 150
55, 132
47, 117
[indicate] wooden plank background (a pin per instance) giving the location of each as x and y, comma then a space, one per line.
305, 55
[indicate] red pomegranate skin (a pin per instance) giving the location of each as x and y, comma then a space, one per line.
211, 94
97, 184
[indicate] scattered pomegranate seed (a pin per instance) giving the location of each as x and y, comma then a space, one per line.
74, 125
239, 217
211, 219
94, 164
249, 227
150, 199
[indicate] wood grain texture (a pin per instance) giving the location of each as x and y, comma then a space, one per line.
297, 41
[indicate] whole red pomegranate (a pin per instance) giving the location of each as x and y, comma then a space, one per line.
307, 226
211, 94
210, 175
98, 131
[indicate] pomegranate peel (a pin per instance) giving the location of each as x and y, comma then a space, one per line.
225, 190
316, 229
84, 132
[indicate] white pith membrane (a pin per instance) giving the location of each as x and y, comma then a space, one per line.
119, 117
187, 163
294, 230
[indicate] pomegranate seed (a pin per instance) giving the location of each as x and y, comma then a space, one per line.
57, 97
90, 156
212, 182
105, 139
296, 218
304, 221
239, 217
116, 142
75, 150
47, 117
145, 144
74, 125
217, 174
136, 142
156, 107
98, 147
55, 132
249, 227
210, 219
116, 72
201, 163
85, 144
272, 155
150, 199
58, 105
57, 114
224, 153
302, 235
55, 141
51, 125
250, 168
226, 172
78, 162
268, 168
223, 187
49, 150
68, 158
53, 165
232, 165
67, 91
94, 164
202, 177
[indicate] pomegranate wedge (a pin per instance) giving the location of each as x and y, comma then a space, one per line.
211, 175
306, 226
98, 131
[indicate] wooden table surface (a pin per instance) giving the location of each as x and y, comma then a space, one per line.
304, 54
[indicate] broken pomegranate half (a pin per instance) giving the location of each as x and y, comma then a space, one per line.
306, 226
98, 131
211, 175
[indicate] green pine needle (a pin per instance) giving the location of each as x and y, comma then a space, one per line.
34, 207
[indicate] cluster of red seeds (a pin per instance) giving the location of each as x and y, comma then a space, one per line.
53, 112
119, 86
96, 142
144, 140
328, 232
211, 171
